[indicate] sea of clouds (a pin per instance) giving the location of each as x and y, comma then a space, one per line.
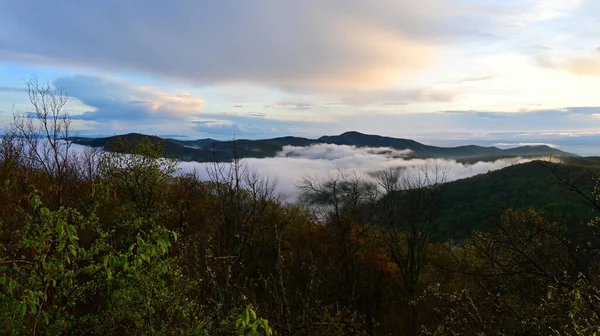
323, 161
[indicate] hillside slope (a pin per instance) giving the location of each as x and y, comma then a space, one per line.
469, 203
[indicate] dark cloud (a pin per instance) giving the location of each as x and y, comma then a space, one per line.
584, 110
256, 114
294, 44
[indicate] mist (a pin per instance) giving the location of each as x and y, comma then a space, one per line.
322, 161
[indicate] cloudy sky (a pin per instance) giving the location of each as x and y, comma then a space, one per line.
444, 72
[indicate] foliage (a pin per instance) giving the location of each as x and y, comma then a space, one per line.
124, 244
249, 325
469, 204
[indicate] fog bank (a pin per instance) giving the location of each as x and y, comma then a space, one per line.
324, 160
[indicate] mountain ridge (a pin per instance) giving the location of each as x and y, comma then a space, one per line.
208, 149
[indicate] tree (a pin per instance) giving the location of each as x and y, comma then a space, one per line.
45, 133
140, 177
411, 198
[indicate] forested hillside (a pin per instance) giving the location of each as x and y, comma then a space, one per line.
469, 204
107, 243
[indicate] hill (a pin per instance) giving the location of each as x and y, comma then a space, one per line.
215, 150
468, 203
128, 142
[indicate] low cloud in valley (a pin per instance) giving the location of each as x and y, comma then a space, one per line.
325, 160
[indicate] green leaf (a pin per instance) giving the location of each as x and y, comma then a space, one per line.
21, 309
266, 328
59, 229
12, 284
33, 308
245, 317
35, 200
72, 232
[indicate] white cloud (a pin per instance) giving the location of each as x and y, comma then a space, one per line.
333, 152
580, 65
115, 99
327, 160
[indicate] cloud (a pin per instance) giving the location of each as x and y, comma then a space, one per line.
229, 125
219, 127
337, 152
588, 65
294, 106
325, 161
11, 89
583, 66
473, 79
292, 44
114, 99
413, 125
395, 97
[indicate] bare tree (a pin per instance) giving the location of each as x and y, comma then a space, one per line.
243, 195
88, 164
244, 200
344, 202
406, 212
45, 132
340, 194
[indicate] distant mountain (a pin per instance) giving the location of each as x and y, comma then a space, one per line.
215, 150
421, 150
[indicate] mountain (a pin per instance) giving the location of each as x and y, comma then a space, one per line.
467, 204
421, 150
215, 150
128, 142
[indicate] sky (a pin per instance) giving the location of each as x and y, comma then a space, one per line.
443, 72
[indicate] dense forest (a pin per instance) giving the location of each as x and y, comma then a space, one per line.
108, 243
